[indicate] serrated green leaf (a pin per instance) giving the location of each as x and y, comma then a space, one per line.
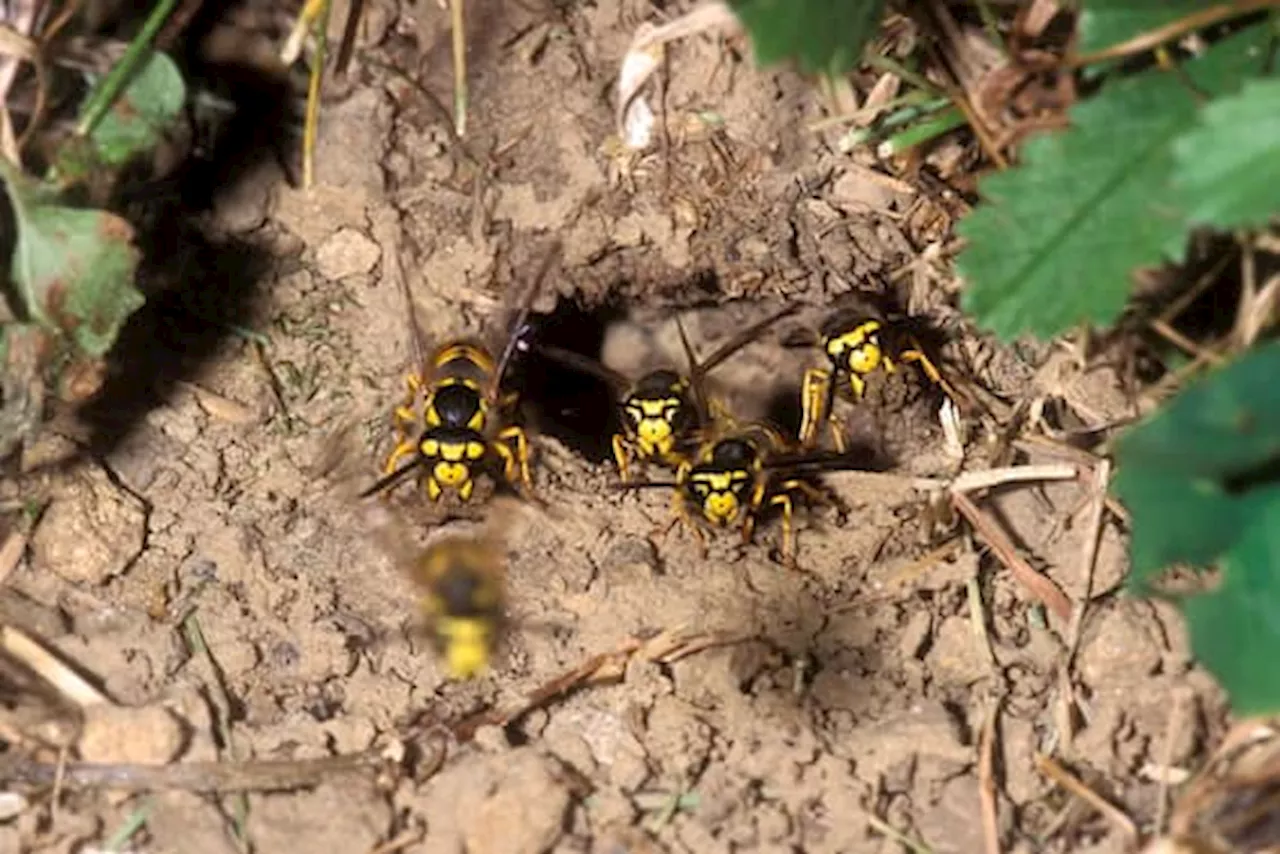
1235, 630
1228, 166
1185, 473
1179, 520
822, 36
1057, 238
73, 269
1222, 426
146, 107
1104, 23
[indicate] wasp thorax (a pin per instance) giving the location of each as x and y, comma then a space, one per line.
459, 404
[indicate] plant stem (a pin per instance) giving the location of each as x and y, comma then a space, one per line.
947, 120
110, 86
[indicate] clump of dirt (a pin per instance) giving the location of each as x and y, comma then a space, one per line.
862, 686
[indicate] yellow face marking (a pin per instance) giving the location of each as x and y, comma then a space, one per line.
451, 475
720, 503
467, 644
652, 420
858, 350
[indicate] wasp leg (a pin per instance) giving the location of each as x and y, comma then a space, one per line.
622, 453
783, 500
406, 419
930, 370
519, 456
406, 447
813, 393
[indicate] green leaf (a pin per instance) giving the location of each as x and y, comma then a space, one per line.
1229, 164
73, 269
1235, 630
143, 111
1185, 473
1058, 237
1104, 23
1180, 520
1221, 426
822, 36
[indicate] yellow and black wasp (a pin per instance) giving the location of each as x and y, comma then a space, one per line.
456, 420
461, 577
858, 341
460, 574
738, 471
663, 413
743, 471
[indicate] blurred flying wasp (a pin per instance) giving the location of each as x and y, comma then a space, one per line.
858, 340
663, 413
455, 421
738, 471
459, 574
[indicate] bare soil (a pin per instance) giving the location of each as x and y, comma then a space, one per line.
861, 685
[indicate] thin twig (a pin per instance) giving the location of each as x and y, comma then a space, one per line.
978, 621
1073, 784
222, 777
987, 782
666, 647
1089, 557
975, 480
38, 658
1172, 728
1040, 586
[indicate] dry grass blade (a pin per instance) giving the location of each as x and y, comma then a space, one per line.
311, 125
634, 117
1089, 556
976, 480
248, 776
37, 657
15, 545
987, 782
1040, 586
1073, 784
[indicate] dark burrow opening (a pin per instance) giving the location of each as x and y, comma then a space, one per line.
573, 406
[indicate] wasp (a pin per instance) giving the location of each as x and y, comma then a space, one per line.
857, 342
461, 577
664, 412
744, 470
456, 419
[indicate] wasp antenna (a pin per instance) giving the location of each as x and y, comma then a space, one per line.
695, 369
516, 330
389, 480
745, 337
585, 364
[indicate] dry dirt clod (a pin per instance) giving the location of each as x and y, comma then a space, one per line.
149, 735
524, 815
342, 816
347, 252
92, 532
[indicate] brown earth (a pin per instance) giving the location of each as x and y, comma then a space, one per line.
860, 687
